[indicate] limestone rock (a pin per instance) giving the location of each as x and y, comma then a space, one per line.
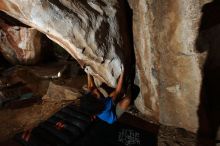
20, 45
168, 65
93, 32
147, 102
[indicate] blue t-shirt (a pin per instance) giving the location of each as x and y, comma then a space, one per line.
108, 114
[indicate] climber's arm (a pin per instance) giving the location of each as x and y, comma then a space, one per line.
118, 88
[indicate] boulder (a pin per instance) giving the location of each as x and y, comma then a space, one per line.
93, 32
169, 67
19, 44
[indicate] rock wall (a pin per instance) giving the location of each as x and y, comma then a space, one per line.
148, 101
93, 32
168, 65
20, 45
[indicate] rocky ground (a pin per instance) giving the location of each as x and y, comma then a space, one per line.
166, 135
31, 94
172, 136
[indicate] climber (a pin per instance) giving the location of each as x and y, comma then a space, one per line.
105, 108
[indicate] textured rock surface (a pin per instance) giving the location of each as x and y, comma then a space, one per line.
93, 32
20, 45
168, 66
147, 103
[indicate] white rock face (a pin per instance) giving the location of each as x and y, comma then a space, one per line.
169, 67
91, 31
